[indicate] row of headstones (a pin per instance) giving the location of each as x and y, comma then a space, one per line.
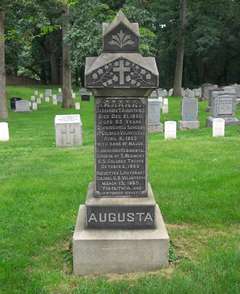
202, 92
218, 128
21, 105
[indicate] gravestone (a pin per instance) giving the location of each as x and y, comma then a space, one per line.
34, 106
154, 110
170, 93
36, 93
198, 92
77, 105
59, 98
13, 101
73, 95
85, 94
47, 99
120, 227
189, 114
170, 130
22, 106
33, 99
39, 100
218, 127
48, 92
4, 132
189, 93
223, 106
68, 130
165, 105
206, 88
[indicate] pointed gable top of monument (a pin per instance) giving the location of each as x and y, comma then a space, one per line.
120, 35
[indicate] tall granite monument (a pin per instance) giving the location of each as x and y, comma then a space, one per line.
120, 228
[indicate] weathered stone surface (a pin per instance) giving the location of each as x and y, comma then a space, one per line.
68, 130
189, 114
154, 110
22, 106
119, 251
121, 147
206, 90
4, 132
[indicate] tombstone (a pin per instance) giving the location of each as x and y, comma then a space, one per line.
60, 98
189, 114
68, 130
33, 99
170, 93
218, 127
47, 99
189, 93
36, 93
41, 96
120, 227
13, 101
85, 94
77, 105
34, 106
198, 92
237, 89
48, 92
212, 94
170, 130
59, 90
39, 100
22, 106
165, 105
4, 132
73, 95
55, 102
223, 106
154, 110
205, 90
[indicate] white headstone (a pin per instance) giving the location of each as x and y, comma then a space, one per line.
47, 99
170, 93
170, 130
74, 95
39, 100
36, 92
34, 106
55, 102
68, 130
48, 92
59, 90
22, 106
41, 95
4, 132
165, 105
218, 128
33, 98
77, 105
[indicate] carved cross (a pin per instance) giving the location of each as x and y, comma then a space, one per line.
121, 69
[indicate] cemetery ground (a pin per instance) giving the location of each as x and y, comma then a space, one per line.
195, 180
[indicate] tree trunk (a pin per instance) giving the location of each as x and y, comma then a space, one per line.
177, 88
66, 68
3, 98
54, 69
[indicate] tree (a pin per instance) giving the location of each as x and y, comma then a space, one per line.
3, 98
66, 61
177, 88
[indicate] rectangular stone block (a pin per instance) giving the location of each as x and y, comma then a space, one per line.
189, 125
120, 213
22, 106
119, 251
68, 130
154, 110
170, 130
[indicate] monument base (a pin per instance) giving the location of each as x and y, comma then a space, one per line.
155, 128
186, 125
228, 121
119, 251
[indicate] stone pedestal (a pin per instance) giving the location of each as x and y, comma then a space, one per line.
119, 251
228, 121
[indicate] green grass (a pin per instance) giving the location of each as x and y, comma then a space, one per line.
196, 182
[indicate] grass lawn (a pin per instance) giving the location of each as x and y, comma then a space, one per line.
196, 182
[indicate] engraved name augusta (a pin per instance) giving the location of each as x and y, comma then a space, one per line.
120, 217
